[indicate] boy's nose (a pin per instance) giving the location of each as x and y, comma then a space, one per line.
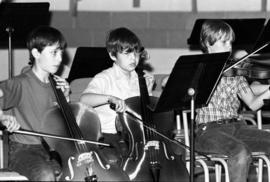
132, 55
229, 47
59, 57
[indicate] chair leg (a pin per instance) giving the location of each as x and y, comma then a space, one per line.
5, 149
225, 166
260, 170
204, 166
218, 171
205, 169
1, 150
261, 160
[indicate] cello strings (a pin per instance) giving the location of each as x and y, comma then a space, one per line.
180, 144
140, 121
70, 121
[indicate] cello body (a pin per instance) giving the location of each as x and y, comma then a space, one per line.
79, 159
151, 160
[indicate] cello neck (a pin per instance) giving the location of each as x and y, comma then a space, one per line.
69, 118
61, 99
144, 97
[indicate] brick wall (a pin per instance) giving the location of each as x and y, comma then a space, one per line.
155, 29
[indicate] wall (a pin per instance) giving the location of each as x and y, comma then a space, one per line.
163, 26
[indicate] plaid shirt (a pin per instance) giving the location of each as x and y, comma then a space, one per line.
224, 103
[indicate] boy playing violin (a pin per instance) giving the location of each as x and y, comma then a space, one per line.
28, 96
220, 126
115, 84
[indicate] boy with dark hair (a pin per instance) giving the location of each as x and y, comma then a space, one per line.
115, 84
28, 96
220, 126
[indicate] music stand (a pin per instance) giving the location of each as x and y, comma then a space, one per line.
88, 61
193, 78
200, 72
17, 20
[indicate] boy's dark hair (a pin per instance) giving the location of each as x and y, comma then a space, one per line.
44, 36
214, 30
122, 39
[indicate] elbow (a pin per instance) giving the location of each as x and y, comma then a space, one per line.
87, 100
254, 107
82, 99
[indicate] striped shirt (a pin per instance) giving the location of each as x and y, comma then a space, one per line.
225, 102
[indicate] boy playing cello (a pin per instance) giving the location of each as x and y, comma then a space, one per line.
29, 95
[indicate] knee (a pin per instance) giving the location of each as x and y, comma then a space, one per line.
46, 174
242, 157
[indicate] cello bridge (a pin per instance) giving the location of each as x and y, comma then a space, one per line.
152, 143
85, 158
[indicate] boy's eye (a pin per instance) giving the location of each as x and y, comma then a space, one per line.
55, 52
226, 42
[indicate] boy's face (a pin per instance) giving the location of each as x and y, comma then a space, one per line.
128, 61
49, 59
221, 45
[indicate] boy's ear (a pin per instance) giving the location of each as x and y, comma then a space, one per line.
35, 53
112, 57
207, 44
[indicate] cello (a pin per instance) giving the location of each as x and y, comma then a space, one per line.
80, 161
150, 157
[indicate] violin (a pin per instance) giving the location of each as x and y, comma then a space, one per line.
251, 69
246, 66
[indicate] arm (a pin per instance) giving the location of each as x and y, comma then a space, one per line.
258, 88
255, 102
8, 121
95, 100
150, 80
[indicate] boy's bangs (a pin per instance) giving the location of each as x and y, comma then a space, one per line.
224, 35
127, 47
42, 42
228, 34
58, 41
62, 44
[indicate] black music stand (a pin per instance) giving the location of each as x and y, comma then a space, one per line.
17, 20
191, 84
246, 32
88, 61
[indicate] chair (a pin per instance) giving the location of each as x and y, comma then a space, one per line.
5, 174
259, 158
2, 150
77, 86
263, 159
218, 160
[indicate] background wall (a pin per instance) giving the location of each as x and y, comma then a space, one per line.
163, 26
